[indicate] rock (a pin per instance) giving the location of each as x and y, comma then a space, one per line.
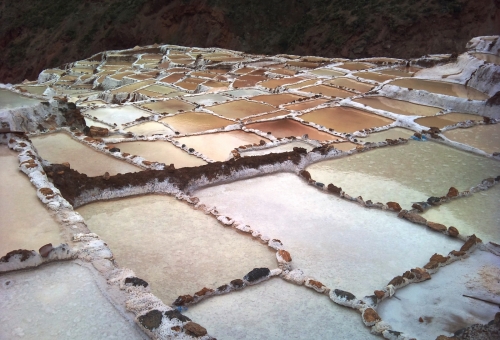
183, 300
151, 319
452, 192
86, 131
452, 231
470, 243
66, 164
442, 337
135, 281
334, 189
316, 285
412, 217
439, 258
222, 288
257, 274
47, 192
114, 150
238, 283
300, 150
370, 317
379, 294
319, 184
434, 200
262, 142
25, 254
193, 329
394, 206
285, 255
305, 174
45, 250
175, 314
436, 226
421, 274
397, 281
344, 295
204, 291
106, 176
95, 131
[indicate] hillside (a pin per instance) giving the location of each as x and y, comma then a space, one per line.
35, 35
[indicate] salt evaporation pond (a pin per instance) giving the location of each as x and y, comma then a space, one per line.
398, 106
169, 106
277, 149
289, 127
341, 244
448, 119
25, 223
440, 301
477, 214
240, 109
90, 122
192, 122
189, 249
150, 129
291, 312
393, 133
59, 301
60, 148
449, 89
483, 137
118, 115
218, 146
160, 151
405, 173
9, 100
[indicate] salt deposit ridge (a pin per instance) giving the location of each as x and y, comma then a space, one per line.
173, 192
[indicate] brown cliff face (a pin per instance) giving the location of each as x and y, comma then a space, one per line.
37, 35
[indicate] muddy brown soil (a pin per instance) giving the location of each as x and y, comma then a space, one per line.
37, 35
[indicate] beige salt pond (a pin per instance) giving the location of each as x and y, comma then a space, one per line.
277, 99
189, 249
60, 148
325, 72
448, 119
329, 91
192, 122
355, 66
150, 129
345, 119
269, 115
287, 127
483, 137
172, 78
350, 84
393, 133
401, 71
217, 146
398, 106
240, 109
169, 106
302, 84
161, 152
449, 89
374, 76
133, 87
405, 173
278, 149
26, 223
489, 58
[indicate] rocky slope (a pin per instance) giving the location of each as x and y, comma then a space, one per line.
36, 35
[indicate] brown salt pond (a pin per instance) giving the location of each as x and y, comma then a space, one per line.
192, 122
398, 106
489, 58
248, 80
449, 89
393, 133
189, 249
133, 87
329, 91
284, 71
401, 71
274, 83
483, 137
190, 84
345, 119
306, 104
351, 84
172, 78
150, 129
169, 106
269, 115
277, 99
218, 146
26, 223
288, 127
60, 148
447, 119
374, 76
240, 109
160, 151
